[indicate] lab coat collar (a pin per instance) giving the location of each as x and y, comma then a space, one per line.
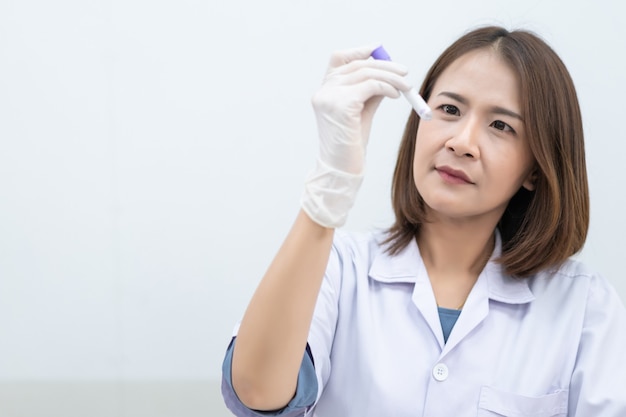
407, 267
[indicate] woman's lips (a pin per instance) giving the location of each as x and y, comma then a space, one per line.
453, 176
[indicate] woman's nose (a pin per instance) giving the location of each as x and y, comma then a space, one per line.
465, 139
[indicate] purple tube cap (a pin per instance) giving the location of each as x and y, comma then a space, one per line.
380, 53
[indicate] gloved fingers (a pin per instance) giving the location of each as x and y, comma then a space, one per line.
352, 97
365, 74
369, 63
370, 88
345, 56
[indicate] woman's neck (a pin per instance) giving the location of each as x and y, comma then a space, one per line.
454, 255
458, 250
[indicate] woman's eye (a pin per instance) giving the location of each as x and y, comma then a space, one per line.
450, 109
500, 125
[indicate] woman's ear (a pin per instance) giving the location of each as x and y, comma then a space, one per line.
530, 181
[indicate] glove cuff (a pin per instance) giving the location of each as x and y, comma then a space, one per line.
329, 195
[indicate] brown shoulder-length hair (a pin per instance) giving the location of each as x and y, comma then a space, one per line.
539, 228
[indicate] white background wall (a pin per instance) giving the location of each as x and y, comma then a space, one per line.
152, 155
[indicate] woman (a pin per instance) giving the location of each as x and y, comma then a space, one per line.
469, 304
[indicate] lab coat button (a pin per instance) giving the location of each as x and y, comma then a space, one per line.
440, 372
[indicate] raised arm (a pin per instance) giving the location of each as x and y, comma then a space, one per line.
273, 333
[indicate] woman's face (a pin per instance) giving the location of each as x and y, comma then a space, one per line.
473, 156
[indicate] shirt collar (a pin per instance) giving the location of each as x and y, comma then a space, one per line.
407, 267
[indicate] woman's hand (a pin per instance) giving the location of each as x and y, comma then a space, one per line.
344, 107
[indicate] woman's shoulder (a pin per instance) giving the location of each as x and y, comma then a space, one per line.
573, 270
575, 276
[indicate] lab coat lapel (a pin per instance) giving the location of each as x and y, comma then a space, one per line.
474, 312
424, 299
492, 285
408, 267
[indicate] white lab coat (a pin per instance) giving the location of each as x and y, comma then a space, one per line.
550, 345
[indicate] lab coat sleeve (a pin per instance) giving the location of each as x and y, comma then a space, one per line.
598, 384
306, 391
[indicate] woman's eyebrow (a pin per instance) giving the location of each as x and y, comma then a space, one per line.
454, 96
506, 112
494, 109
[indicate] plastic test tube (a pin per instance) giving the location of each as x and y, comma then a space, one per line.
421, 108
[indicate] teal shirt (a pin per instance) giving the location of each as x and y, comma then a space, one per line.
448, 318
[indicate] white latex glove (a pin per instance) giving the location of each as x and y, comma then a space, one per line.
344, 106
